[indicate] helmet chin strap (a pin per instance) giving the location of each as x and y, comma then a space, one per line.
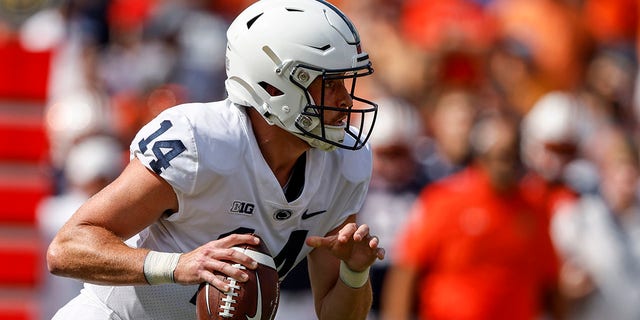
332, 133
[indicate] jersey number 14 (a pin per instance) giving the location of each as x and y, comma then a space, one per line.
164, 150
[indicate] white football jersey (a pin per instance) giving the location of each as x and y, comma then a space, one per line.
208, 153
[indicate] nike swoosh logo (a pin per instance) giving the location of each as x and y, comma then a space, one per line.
306, 215
258, 314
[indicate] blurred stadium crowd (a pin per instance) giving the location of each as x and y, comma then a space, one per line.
539, 98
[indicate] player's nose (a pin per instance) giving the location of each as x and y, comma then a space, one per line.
344, 99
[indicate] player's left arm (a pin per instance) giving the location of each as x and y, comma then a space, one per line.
358, 249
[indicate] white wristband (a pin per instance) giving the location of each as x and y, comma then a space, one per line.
352, 278
159, 267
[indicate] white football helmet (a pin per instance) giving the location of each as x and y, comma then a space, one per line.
286, 44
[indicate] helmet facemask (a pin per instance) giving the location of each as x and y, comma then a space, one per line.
360, 116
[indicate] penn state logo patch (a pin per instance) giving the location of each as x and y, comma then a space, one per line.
282, 214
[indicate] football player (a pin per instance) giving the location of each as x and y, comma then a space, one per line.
284, 157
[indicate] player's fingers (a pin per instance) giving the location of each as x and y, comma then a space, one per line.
347, 232
234, 255
217, 281
361, 233
376, 251
374, 241
232, 270
316, 242
236, 239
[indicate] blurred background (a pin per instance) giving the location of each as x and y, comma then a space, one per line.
78, 78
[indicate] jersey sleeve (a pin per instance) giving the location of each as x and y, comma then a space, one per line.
166, 145
353, 199
356, 170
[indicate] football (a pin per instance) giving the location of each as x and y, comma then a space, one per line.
257, 298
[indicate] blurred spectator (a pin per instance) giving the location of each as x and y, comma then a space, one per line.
161, 53
447, 24
129, 62
599, 236
198, 38
132, 109
551, 138
514, 74
449, 118
474, 248
201, 66
551, 133
92, 163
607, 91
406, 77
449, 36
76, 103
71, 118
553, 33
396, 180
75, 30
611, 22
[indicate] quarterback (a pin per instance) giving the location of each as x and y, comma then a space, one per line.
284, 157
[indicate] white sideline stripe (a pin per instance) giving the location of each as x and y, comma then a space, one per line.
259, 257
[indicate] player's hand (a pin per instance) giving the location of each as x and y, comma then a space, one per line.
198, 265
353, 244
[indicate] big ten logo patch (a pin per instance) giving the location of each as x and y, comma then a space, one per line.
241, 207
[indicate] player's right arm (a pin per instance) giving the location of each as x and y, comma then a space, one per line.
90, 246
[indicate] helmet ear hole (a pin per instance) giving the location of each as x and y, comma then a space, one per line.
270, 89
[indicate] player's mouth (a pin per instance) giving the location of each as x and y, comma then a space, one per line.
339, 121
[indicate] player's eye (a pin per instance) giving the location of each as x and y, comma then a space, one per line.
331, 84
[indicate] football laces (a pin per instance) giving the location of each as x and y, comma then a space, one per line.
227, 308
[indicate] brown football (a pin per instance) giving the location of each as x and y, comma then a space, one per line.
257, 298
